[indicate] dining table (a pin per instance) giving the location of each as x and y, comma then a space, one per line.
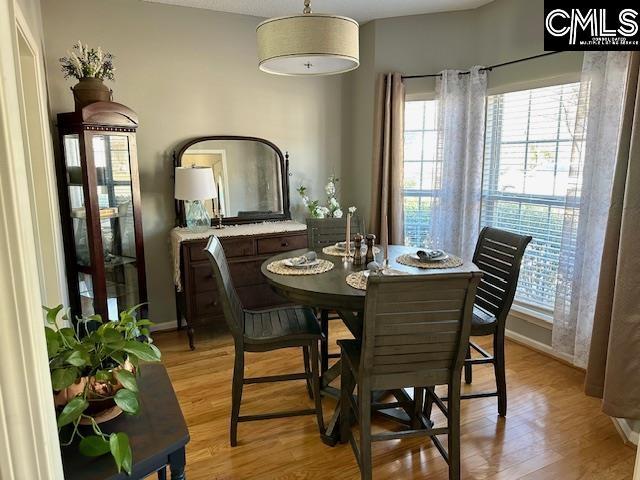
329, 291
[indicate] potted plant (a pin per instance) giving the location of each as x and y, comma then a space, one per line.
90, 66
93, 368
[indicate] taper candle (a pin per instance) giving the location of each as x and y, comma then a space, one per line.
348, 241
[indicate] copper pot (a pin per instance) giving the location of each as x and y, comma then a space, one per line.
90, 90
101, 409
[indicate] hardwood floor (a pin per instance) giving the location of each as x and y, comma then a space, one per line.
552, 431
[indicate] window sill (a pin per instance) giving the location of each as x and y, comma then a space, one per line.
531, 315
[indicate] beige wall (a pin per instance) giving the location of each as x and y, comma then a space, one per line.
190, 72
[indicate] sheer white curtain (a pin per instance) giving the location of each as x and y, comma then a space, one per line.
458, 186
594, 150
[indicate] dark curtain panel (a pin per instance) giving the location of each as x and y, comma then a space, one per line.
613, 371
388, 145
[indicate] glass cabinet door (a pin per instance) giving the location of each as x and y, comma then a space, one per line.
71, 145
111, 154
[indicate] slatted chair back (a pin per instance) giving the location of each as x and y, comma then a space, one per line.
499, 255
231, 305
416, 329
327, 231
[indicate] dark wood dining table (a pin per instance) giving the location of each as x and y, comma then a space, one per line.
330, 291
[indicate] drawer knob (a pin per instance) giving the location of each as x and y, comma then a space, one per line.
284, 243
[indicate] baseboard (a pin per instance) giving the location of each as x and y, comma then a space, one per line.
159, 327
539, 347
629, 436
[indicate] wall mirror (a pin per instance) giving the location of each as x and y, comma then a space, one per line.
251, 176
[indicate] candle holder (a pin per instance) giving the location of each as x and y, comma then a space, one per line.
219, 225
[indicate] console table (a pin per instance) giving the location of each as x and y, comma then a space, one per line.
158, 435
246, 247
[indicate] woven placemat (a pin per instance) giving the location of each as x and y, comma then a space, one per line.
338, 252
359, 279
450, 262
281, 269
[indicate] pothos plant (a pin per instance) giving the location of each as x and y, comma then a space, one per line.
100, 355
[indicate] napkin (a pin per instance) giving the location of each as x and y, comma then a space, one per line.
426, 255
304, 259
374, 267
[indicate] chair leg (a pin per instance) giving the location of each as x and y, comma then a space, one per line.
346, 390
307, 370
316, 385
418, 404
236, 394
428, 402
364, 400
468, 374
501, 378
453, 424
324, 344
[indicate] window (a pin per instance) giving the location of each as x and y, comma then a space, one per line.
528, 142
421, 169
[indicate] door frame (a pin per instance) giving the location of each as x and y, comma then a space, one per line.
28, 429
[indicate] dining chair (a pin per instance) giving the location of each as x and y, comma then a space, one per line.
322, 232
498, 254
263, 331
416, 331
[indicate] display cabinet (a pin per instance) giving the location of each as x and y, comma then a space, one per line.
99, 192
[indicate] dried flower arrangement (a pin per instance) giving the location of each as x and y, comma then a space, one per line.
83, 62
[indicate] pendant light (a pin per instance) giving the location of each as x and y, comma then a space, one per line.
308, 44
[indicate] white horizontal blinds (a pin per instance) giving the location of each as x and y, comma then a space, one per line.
422, 172
528, 148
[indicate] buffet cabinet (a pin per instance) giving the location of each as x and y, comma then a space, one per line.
198, 302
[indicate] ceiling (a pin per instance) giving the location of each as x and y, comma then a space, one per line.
361, 10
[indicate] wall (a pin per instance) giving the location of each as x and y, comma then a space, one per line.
190, 72
498, 32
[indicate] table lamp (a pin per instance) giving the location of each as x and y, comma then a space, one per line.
194, 185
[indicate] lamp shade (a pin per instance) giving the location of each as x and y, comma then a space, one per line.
308, 44
195, 183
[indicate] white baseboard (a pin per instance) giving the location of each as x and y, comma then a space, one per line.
538, 346
158, 327
629, 436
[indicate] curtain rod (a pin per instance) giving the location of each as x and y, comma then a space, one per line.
490, 67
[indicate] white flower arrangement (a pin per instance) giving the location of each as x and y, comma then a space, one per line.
332, 210
83, 62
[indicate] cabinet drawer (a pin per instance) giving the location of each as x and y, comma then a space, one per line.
202, 277
246, 273
238, 247
233, 247
206, 304
281, 244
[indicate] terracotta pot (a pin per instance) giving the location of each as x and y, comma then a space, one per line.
99, 408
90, 90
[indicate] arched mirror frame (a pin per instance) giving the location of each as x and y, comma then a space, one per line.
284, 169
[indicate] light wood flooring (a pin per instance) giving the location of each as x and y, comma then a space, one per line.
552, 431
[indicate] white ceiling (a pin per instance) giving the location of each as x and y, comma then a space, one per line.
361, 10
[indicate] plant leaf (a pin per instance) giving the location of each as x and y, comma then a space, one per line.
127, 401
127, 379
61, 378
78, 358
121, 451
142, 350
103, 376
135, 307
94, 446
72, 411
52, 313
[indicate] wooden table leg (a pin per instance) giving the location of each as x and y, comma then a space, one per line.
177, 462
